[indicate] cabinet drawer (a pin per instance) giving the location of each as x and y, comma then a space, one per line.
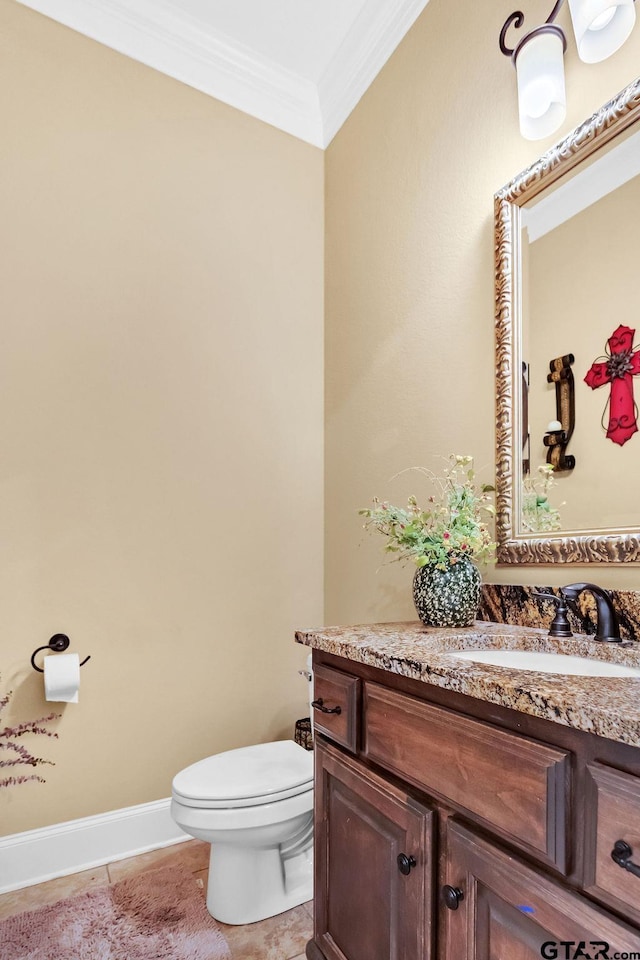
336, 698
518, 787
612, 813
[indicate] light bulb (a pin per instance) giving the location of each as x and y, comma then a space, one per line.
603, 20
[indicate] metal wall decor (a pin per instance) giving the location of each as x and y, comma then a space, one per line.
557, 440
618, 368
609, 122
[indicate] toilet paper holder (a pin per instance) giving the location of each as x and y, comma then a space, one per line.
58, 642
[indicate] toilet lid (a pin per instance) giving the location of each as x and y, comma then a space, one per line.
246, 777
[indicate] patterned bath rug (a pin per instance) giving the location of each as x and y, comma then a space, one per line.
157, 915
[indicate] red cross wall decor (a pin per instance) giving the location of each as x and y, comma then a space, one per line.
618, 367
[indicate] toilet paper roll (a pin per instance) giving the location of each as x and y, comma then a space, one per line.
62, 677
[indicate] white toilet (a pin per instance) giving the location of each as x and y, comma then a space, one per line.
254, 805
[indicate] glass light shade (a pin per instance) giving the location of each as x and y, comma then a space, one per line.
542, 102
601, 26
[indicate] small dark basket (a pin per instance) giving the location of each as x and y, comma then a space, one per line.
303, 734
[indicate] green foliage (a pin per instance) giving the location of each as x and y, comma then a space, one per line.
453, 525
538, 516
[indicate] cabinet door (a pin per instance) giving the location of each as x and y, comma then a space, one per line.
501, 909
373, 865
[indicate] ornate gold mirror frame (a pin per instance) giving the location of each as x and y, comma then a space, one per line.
600, 545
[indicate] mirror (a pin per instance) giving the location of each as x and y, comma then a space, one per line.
567, 236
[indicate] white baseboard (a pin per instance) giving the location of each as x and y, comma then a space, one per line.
64, 848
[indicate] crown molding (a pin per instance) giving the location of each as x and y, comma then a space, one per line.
374, 36
158, 34
162, 37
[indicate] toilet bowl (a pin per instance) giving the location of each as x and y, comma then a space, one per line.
254, 805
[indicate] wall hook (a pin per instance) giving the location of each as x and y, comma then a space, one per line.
58, 643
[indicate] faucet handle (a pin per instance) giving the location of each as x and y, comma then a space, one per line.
547, 596
560, 625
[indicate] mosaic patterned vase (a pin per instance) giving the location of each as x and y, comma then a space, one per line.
447, 598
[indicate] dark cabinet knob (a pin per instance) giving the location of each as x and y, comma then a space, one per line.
452, 896
621, 854
405, 863
319, 705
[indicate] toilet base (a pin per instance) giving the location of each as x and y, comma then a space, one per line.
247, 885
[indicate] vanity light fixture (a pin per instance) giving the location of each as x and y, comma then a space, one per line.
600, 27
539, 61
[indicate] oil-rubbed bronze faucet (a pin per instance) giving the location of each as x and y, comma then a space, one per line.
607, 627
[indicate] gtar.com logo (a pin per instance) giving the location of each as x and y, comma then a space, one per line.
583, 950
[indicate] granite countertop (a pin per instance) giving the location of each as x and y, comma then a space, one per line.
606, 706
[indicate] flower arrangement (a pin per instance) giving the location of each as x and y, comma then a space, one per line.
17, 754
452, 527
538, 516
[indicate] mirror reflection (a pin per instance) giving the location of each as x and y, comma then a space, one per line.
567, 235
579, 247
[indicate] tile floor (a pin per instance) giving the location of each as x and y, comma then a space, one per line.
279, 938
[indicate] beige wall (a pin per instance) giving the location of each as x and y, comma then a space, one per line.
161, 367
410, 180
161, 395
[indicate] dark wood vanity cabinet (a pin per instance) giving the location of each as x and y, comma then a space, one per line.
612, 815
336, 705
374, 850
506, 910
517, 787
451, 829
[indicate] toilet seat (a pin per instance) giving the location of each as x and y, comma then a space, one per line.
248, 776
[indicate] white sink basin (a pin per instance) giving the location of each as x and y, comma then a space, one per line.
547, 663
